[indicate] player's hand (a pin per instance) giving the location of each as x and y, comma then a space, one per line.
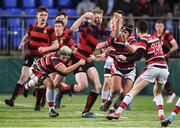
167, 55
91, 58
21, 46
89, 15
82, 62
121, 58
42, 49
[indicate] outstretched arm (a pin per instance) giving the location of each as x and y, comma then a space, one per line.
62, 68
77, 23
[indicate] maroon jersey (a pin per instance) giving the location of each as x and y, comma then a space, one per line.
67, 32
65, 41
48, 63
40, 37
88, 40
153, 47
166, 38
119, 48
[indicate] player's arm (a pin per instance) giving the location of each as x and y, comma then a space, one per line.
62, 68
53, 46
25, 39
77, 23
102, 45
131, 48
174, 47
135, 57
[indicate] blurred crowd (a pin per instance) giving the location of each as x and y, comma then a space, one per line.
130, 7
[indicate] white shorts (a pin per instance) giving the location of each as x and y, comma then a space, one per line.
107, 66
154, 73
131, 75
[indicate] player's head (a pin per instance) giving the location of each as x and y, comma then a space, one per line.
59, 27
127, 30
98, 16
42, 14
62, 16
141, 27
159, 26
121, 14
65, 53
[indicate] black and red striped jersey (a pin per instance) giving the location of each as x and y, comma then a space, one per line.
48, 63
39, 37
67, 32
118, 46
153, 47
88, 39
166, 37
64, 40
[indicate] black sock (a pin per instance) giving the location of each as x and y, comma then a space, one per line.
17, 90
90, 101
168, 88
67, 89
39, 96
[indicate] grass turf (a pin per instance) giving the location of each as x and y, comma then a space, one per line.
144, 114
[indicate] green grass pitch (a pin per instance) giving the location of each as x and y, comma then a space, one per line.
143, 115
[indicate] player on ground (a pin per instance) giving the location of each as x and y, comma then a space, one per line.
41, 39
169, 46
52, 62
172, 116
156, 69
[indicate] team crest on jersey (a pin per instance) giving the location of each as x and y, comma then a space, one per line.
45, 31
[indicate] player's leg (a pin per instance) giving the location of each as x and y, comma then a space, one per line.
137, 87
169, 90
50, 95
19, 86
172, 116
94, 79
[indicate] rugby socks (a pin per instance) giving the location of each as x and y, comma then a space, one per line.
39, 96
104, 96
17, 90
29, 84
168, 89
118, 102
176, 108
50, 98
67, 89
159, 105
127, 100
90, 101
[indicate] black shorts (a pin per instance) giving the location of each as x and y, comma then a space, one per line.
83, 68
29, 59
107, 71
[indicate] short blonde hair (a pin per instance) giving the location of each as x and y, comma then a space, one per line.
98, 11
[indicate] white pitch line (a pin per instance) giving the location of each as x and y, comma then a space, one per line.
21, 105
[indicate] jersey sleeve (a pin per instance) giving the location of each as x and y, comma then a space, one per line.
52, 35
68, 41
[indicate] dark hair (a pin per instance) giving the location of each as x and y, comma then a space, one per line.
61, 13
42, 9
142, 26
159, 22
59, 22
128, 28
119, 12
